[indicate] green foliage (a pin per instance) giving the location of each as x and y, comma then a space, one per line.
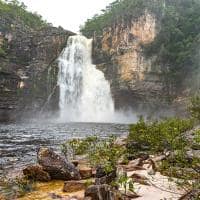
78, 146
195, 106
117, 12
16, 10
106, 154
159, 136
178, 41
169, 135
125, 182
100, 152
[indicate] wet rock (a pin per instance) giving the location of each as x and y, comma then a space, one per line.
74, 186
100, 172
85, 172
103, 178
99, 192
56, 166
36, 173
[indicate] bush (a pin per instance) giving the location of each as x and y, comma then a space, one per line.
100, 152
16, 10
159, 136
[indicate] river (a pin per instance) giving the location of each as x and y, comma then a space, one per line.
19, 142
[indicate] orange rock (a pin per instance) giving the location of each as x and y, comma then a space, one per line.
74, 186
85, 172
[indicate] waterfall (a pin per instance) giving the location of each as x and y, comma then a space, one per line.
85, 94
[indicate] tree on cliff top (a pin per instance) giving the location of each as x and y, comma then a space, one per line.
15, 10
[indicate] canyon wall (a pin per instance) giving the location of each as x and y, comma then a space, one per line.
136, 81
28, 67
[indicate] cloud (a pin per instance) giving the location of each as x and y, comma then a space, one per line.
69, 14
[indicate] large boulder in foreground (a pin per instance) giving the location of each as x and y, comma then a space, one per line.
57, 167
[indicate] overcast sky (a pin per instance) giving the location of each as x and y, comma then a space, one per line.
69, 14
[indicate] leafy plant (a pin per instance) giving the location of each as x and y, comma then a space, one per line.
106, 154
159, 136
78, 146
125, 183
100, 152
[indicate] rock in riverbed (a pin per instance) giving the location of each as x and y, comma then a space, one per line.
74, 186
57, 167
36, 173
99, 192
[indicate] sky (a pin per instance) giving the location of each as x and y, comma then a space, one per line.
69, 14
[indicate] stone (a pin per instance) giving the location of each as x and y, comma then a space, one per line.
36, 173
74, 186
99, 192
85, 172
103, 178
57, 167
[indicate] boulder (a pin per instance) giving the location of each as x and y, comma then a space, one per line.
103, 178
74, 186
100, 192
36, 173
85, 172
57, 166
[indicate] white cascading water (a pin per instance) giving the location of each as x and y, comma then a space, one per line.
84, 92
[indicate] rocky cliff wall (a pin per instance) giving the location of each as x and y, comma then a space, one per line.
135, 80
28, 67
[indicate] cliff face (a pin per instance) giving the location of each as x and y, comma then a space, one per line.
28, 68
135, 81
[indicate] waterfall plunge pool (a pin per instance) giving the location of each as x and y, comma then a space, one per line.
19, 142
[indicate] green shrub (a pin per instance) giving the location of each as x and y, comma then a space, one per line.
106, 154
78, 146
166, 134
16, 10
100, 152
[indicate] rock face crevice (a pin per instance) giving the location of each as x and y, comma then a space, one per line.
135, 80
28, 68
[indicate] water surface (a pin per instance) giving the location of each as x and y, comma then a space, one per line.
19, 142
